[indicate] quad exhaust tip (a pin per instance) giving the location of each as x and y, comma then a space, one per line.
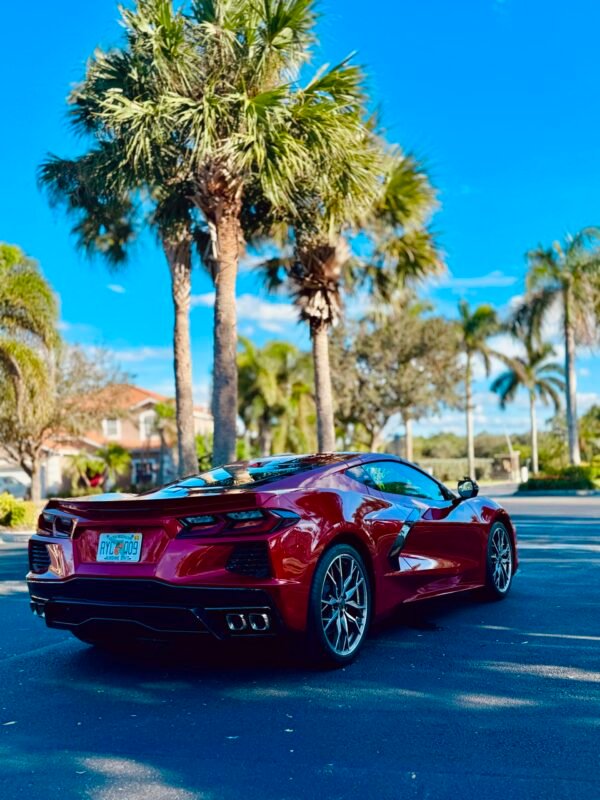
239, 622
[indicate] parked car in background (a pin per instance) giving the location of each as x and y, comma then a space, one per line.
13, 486
316, 545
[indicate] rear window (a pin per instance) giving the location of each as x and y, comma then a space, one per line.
248, 474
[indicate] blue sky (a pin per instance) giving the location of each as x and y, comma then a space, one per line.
499, 97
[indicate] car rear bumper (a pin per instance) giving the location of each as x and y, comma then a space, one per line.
153, 609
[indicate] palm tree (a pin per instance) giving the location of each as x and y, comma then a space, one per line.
541, 377
475, 329
28, 336
389, 201
115, 461
165, 427
103, 198
275, 396
222, 96
567, 275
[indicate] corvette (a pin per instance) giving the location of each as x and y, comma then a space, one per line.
316, 545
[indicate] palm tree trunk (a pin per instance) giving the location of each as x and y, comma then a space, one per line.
470, 409
408, 439
265, 438
178, 252
571, 398
323, 394
534, 435
225, 379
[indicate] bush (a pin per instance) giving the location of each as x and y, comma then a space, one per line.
569, 478
15, 513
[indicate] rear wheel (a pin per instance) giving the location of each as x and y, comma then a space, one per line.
499, 562
340, 606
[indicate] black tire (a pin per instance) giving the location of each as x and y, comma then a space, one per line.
497, 585
322, 649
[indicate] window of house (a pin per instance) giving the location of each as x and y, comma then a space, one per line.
147, 424
112, 428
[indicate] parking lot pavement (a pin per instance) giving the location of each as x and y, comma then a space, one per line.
450, 699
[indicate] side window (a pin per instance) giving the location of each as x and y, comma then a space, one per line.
396, 478
361, 475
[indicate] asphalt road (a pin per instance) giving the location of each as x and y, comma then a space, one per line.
455, 699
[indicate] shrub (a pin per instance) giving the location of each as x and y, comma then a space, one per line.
569, 478
15, 513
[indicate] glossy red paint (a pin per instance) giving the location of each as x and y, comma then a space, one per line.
444, 551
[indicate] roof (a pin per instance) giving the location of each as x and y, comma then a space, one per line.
129, 395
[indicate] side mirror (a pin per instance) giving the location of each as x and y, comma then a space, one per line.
468, 488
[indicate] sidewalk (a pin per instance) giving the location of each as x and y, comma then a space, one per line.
15, 537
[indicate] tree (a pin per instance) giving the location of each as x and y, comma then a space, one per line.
28, 319
223, 95
590, 432
567, 276
101, 191
115, 461
166, 428
81, 390
539, 376
403, 362
388, 201
475, 329
84, 471
276, 398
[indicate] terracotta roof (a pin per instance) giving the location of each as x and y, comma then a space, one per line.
129, 395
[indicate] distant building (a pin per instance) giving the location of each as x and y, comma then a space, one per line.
133, 426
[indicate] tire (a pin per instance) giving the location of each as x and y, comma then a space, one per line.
499, 563
338, 622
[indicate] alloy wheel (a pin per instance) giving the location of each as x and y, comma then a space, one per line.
501, 558
344, 604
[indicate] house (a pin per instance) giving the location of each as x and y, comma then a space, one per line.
133, 426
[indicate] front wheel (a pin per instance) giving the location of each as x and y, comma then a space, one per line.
499, 562
340, 606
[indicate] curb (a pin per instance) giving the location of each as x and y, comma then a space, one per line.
12, 537
561, 493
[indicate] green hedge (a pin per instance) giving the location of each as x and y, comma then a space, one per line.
569, 478
15, 513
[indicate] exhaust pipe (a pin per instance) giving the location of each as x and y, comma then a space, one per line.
236, 622
259, 622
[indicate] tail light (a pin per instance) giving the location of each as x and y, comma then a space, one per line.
232, 523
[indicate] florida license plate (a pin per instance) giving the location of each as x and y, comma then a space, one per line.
119, 547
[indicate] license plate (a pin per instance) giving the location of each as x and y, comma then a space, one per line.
119, 547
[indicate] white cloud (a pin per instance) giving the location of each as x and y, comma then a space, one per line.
267, 315
116, 288
135, 355
492, 280
206, 299
586, 400
272, 327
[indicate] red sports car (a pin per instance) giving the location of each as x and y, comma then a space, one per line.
317, 545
